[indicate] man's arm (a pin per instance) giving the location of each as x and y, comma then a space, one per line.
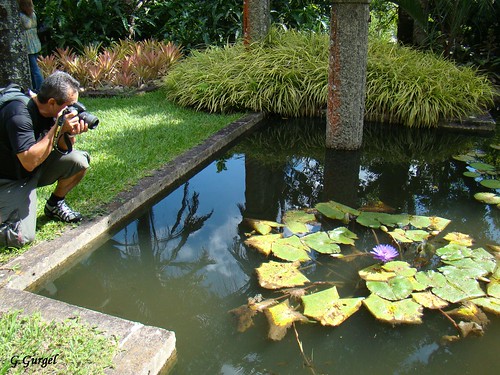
36, 154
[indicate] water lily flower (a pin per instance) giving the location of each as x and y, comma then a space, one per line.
385, 253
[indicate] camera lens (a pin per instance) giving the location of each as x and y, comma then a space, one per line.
90, 119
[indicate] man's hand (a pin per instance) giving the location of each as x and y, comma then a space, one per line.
73, 125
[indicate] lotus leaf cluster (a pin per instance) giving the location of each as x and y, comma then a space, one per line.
396, 292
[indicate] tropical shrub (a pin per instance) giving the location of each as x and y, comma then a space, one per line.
125, 63
287, 74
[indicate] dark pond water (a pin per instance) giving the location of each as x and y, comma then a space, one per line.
182, 264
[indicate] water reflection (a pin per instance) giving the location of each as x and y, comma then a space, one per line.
183, 265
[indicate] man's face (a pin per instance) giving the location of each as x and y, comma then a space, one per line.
55, 108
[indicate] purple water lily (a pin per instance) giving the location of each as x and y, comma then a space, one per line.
385, 253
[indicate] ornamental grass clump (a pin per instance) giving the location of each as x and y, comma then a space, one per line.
287, 74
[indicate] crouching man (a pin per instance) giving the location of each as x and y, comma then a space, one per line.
36, 141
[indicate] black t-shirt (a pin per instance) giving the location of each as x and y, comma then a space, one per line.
21, 126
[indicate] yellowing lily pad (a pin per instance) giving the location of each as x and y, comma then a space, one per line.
405, 311
321, 242
291, 249
280, 318
275, 275
327, 308
488, 198
459, 238
262, 226
375, 273
493, 288
429, 300
263, 243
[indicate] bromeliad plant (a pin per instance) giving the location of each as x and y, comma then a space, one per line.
125, 64
396, 291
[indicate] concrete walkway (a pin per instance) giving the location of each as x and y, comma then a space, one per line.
142, 349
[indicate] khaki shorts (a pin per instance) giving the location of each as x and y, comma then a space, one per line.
18, 201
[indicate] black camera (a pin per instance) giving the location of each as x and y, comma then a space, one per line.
89, 118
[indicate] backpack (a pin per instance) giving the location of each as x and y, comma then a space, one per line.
12, 92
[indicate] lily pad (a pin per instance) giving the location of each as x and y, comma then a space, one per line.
321, 242
296, 221
482, 166
453, 252
409, 236
465, 158
459, 238
472, 174
458, 287
488, 198
431, 278
262, 226
493, 288
405, 311
394, 289
291, 249
375, 273
490, 183
280, 318
327, 308
263, 243
276, 275
342, 235
490, 304
400, 268
335, 210
429, 300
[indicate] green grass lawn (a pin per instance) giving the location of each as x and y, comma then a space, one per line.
135, 136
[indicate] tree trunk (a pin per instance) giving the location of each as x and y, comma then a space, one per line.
14, 66
405, 28
256, 19
347, 74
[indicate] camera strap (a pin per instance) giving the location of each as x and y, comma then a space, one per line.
57, 136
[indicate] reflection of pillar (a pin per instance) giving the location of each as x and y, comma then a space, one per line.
341, 177
347, 73
263, 188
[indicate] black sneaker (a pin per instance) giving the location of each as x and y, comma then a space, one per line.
62, 212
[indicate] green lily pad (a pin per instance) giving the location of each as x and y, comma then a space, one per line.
375, 273
490, 183
420, 221
431, 278
327, 308
459, 286
429, 300
453, 252
488, 198
394, 289
342, 235
335, 210
490, 304
263, 243
482, 166
369, 219
296, 221
493, 288
464, 158
400, 268
291, 249
405, 311
472, 174
321, 242
275, 275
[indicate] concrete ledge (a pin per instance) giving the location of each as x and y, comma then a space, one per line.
145, 349
142, 349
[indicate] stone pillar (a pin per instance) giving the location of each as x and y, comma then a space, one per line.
256, 19
347, 73
14, 66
